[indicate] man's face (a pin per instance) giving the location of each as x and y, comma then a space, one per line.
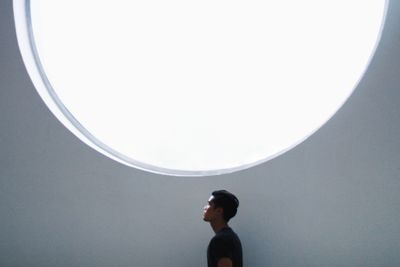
210, 212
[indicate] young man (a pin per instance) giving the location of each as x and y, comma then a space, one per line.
225, 249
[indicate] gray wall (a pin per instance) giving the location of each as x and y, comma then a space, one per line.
332, 201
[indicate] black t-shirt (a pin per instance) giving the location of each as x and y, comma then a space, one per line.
225, 244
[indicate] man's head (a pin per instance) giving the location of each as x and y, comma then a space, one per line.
221, 203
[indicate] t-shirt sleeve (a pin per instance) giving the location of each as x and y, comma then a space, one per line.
221, 248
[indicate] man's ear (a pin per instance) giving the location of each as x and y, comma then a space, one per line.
219, 210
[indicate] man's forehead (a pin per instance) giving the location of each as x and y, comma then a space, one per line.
210, 198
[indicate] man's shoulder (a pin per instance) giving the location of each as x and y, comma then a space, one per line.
227, 232
226, 244
224, 235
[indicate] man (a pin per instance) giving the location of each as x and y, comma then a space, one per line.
225, 249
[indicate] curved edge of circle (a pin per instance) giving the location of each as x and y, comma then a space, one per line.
27, 47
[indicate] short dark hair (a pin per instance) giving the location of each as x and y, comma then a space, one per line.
227, 201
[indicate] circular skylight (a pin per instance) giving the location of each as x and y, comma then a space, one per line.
196, 87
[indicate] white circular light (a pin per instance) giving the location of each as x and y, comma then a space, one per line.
196, 87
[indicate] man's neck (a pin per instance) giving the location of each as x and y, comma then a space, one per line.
218, 225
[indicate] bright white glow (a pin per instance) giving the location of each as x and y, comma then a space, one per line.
196, 87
